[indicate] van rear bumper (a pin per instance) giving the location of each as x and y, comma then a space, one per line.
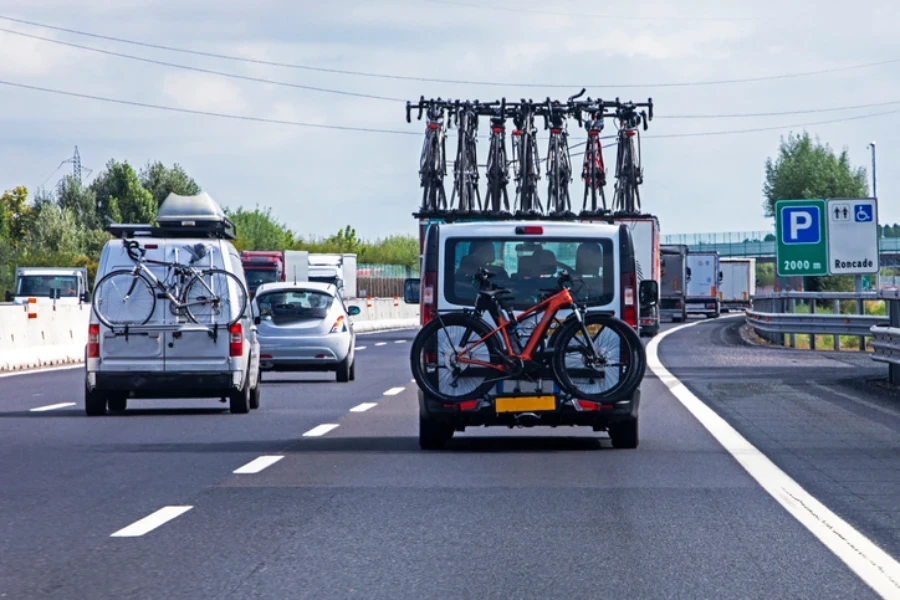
166, 385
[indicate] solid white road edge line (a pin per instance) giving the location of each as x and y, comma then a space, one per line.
320, 430
44, 370
152, 521
52, 407
394, 391
364, 407
257, 464
870, 563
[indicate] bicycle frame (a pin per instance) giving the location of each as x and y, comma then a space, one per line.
142, 268
551, 306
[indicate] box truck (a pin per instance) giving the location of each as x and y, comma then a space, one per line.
738, 283
673, 279
702, 289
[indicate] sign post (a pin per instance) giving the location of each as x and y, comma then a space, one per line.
801, 232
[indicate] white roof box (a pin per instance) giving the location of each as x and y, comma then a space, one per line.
183, 216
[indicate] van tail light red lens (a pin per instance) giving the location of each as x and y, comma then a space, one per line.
429, 300
236, 340
629, 308
93, 345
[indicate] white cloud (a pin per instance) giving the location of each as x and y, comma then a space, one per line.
203, 92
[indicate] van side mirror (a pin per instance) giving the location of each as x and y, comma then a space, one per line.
411, 290
648, 293
353, 310
86, 297
687, 273
257, 320
9, 296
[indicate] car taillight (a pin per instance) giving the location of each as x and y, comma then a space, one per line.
236, 340
93, 345
629, 310
429, 290
339, 325
530, 230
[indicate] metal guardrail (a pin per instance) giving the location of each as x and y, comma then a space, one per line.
774, 318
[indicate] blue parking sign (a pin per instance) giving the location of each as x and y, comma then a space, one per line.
800, 225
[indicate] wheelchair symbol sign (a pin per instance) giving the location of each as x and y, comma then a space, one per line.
862, 213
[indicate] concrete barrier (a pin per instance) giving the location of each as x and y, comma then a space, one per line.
34, 336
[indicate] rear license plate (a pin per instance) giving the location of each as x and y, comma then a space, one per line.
516, 404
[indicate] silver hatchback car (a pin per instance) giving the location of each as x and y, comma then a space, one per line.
305, 327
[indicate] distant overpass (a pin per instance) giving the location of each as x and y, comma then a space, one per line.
755, 244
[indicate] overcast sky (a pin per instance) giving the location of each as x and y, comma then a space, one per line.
317, 180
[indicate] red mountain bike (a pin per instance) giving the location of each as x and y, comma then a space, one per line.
593, 356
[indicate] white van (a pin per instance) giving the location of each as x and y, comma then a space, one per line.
526, 258
170, 356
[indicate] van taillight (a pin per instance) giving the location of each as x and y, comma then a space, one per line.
629, 309
93, 345
236, 340
428, 291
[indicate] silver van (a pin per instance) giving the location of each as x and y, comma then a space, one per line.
171, 355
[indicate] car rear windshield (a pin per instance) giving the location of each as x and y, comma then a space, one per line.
285, 307
48, 286
528, 266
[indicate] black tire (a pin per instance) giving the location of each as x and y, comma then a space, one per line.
239, 400
94, 403
205, 309
122, 298
117, 404
433, 434
676, 319
343, 370
353, 370
254, 396
625, 434
620, 345
437, 333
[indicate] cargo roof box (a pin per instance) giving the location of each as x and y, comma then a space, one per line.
183, 216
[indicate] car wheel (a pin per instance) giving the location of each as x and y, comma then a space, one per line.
624, 434
353, 370
343, 370
94, 403
676, 319
254, 397
433, 435
239, 401
117, 404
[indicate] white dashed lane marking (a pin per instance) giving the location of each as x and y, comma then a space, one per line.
364, 407
258, 464
394, 391
359, 348
320, 430
381, 344
52, 407
152, 521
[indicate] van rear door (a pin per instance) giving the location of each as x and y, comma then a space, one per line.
142, 350
192, 347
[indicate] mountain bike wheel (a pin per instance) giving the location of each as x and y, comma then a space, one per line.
606, 364
215, 297
435, 365
123, 298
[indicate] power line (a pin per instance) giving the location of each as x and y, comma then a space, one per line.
779, 114
202, 70
204, 112
399, 132
447, 81
611, 17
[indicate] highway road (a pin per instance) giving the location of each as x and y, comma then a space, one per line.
324, 493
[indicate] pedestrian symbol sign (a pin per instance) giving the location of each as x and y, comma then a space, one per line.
801, 230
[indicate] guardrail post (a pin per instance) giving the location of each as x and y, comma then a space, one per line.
792, 308
893, 307
836, 309
812, 336
861, 310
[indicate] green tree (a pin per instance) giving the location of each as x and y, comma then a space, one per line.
161, 181
18, 216
120, 195
80, 201
805, 168
259, 230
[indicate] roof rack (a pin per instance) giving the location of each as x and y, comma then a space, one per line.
182, 216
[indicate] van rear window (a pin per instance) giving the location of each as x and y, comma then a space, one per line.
528, 266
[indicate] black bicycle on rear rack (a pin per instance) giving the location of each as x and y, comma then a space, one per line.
497, 169
432, 163
629, 173
527, 167
465, 167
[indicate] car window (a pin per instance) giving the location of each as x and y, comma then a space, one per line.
528, 266
291, 306
43, 285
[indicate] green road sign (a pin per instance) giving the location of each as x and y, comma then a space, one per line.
802, 238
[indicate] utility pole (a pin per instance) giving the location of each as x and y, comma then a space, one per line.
874, 188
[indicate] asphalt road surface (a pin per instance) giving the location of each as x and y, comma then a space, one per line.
336, 500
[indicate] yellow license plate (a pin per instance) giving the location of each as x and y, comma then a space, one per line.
525, 404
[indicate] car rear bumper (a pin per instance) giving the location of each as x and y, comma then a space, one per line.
304, 353
166, 385
622, 410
